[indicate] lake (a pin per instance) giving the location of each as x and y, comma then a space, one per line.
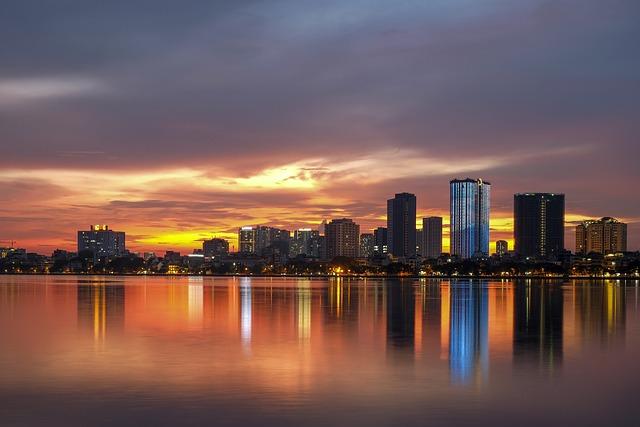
102, 350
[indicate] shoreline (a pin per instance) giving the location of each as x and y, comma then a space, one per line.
329, 276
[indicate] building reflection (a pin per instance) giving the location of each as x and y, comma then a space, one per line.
343, 300
290, 336
246, 320
195, 302
600, 312
400, 314
101, 308
468, 332
303, 301
461, 325
538, 325
428, 320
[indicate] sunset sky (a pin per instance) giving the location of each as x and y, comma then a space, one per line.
178, 120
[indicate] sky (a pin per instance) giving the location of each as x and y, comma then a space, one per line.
176, 121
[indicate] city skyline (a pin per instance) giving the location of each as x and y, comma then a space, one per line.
234, 240
302, 212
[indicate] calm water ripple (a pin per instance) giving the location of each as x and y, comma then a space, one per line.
284, 351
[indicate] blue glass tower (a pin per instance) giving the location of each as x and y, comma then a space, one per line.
470, 207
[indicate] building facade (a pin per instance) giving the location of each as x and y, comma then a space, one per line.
502, 247
367, 243
539, 225
302, 242
401, 225
102, 241
470, 210
420, 242
342, 238
380, 241
247, 240
432, 236
215, 247
604, 236
269, 238
318, 247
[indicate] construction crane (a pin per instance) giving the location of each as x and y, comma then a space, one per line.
11, 242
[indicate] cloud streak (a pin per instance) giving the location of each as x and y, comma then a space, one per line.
19, 91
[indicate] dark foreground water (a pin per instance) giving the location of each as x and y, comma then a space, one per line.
298, 352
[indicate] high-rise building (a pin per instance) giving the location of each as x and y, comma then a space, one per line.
247, 240
342, 237
502, 247
102, 242
318, 247
539, 224
302, 243
215, 247
432, 235
401, 225
470, 207
604, 236
269, 237
581, 237
367, 243
172, 257
380, 245
322, 226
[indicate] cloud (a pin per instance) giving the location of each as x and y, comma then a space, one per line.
18, 91
289, 111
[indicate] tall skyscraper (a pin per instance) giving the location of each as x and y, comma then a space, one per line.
432, 235
380, 245
342, 238
539, 224
401, 225
247, 240
102, 242
470, 207
367, 243
603, 236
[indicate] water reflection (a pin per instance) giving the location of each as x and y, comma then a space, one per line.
304, 310
601, 312
400, 314
463, 323
293, 339
469, 332
245, 312
538, 325
101, 309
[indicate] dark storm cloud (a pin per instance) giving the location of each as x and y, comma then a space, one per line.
189, 79
63, 36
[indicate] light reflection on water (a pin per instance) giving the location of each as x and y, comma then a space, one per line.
286, 351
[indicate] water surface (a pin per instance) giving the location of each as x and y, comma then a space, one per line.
79, 350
